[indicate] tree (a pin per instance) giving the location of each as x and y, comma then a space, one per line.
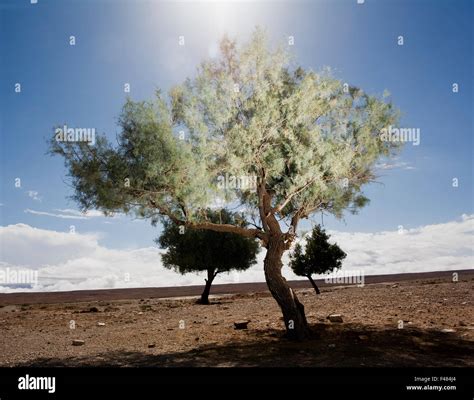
308, 141
319, 256
195, 250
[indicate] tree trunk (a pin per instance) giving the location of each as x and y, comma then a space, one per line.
314, 284
207, 289
293, 311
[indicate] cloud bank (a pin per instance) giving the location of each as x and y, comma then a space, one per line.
73, 261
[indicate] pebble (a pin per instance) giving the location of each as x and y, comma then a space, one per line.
335, 318
241, 324
77, 342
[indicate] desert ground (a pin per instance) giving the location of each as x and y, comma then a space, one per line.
120, 328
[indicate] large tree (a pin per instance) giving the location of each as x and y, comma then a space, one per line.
318, 257
197, 250
308, 140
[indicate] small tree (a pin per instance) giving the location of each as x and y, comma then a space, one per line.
319, 256
196, 250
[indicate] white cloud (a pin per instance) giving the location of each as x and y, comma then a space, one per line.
66, 261
48, 214
447, 246
394, 165
68, 213
87, 214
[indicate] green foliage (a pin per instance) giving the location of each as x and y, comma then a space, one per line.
197, 250
250, 112
319, 256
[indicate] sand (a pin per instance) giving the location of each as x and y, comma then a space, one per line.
437, 329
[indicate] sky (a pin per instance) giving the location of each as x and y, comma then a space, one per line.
137, 43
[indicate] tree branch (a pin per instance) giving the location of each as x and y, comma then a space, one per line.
291, 195
252, 233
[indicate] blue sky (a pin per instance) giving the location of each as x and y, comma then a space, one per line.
136, 42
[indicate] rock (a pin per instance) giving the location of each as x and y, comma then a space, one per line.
241, 324
151, 346
363, 337
448, 330
78, 342
394, 286
215, 323
335, 318
93, 309
332, 345
140, 313
464, 303
100, 323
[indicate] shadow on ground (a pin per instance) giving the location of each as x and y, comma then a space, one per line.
347, 345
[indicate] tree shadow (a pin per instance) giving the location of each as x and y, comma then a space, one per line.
344, 345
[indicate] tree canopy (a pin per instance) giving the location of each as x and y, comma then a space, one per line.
196, 250
310, 140
311, 143
319, 256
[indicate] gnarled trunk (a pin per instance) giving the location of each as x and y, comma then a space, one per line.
293, 311
207, 289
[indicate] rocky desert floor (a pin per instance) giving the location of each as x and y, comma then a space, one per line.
437, 329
